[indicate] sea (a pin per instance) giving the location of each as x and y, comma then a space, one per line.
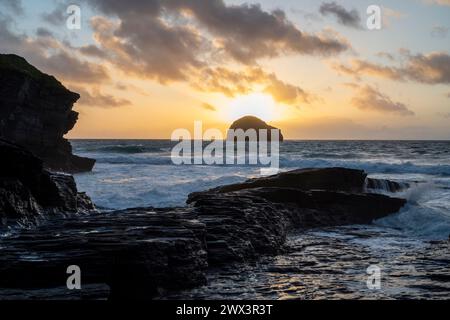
402, 256
139, 173
405, 249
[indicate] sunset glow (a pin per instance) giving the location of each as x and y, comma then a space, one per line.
256, 104
319, 73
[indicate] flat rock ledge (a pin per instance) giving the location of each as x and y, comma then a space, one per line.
143, 252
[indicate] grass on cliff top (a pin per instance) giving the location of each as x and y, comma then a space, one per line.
16, 63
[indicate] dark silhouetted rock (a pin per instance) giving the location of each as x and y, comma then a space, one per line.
252, 218
27, 190
250, 122
337, 179
36, 112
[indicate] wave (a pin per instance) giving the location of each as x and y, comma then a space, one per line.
325, 155
126, 149
419, 221
369, 167
170, 192
287, 163
426, 214
148, 160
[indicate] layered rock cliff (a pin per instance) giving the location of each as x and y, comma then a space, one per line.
36, 112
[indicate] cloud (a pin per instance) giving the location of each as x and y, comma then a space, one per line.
14, 5
93, 51
349, 18
390, 14
149, 48
432, 68
439, 31
57, 16
386, 55
340, 128
70, 68
358, 68
439, 2
369, 98
246, 32
178, 41
232, 83
50, 55
286, 93
97, 99
208, 107
43, 32
165, 40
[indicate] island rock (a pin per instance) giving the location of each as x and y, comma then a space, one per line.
250, 122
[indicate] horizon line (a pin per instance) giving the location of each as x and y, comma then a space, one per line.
285, 140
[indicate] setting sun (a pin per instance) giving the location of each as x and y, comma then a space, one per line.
256, 104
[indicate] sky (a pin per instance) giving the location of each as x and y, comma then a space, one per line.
313, 68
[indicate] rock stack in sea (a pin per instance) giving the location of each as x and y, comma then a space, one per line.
36, 112
254, 123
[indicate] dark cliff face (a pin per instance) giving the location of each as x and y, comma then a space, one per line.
250, 122
36, 112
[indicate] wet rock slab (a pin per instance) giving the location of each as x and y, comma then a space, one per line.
136, 252
331, 263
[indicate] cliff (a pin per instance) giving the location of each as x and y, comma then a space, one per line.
36, 112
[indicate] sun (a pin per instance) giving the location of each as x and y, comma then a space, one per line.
256, 104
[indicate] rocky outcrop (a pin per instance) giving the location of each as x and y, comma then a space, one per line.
28, 191
36, 112
331, 179
142, 252
249, 219
250, 122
